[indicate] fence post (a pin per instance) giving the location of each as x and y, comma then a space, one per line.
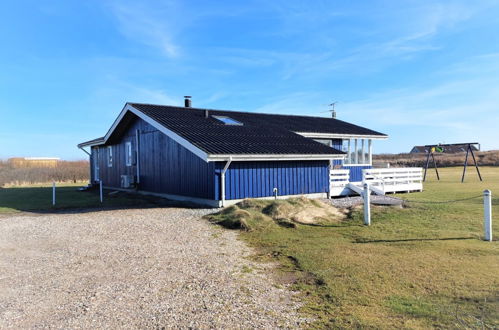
367, 204
53, 193
100, 190
487, 220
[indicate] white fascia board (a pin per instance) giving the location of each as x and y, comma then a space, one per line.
116, 122
174, 136
341, 136
91, 144
270, 157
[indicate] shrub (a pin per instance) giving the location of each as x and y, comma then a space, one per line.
65, 171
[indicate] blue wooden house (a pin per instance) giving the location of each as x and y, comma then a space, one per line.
218, 157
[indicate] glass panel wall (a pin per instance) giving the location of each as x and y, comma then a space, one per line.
359, 151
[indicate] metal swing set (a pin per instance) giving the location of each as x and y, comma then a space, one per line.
440, 148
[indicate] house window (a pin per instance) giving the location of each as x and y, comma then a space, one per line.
227, 120
110, 156
326, 142
128, 153
359, 151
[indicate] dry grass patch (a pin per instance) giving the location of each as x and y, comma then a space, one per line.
253, 214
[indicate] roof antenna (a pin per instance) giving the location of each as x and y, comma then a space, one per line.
333, 111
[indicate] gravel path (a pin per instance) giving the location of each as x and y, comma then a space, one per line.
134, 269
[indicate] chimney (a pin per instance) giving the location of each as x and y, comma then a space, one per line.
187, 101
206, 113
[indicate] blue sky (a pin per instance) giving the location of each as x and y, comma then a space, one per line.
420, 71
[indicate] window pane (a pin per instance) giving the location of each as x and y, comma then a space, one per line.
326, 142
358, 151
227, 120
128, 153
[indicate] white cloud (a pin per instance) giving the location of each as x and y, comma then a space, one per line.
155, 26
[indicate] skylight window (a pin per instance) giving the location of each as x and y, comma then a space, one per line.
227, 120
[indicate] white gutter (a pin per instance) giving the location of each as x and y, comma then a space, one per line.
341, 136
222, 188
269, 157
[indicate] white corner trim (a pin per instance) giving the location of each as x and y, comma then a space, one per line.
341, 136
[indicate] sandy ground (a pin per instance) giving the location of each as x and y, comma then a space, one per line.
134, 269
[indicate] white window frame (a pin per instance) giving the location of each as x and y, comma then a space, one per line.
359, 153
110, 156
128, 153
96, 164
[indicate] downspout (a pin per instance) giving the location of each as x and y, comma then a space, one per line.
222, 188
90, 162
137, 153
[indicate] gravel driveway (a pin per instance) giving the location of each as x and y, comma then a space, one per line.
163, 267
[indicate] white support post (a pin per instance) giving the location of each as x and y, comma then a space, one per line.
363, 155
370, 151
53, 193
349, 157
356, 155
100, 190
222, 183
367, 204
487, 221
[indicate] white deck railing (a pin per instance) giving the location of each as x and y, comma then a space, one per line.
382, 180
395, 179
339, 180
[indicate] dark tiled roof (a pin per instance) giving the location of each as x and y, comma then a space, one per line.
259, 134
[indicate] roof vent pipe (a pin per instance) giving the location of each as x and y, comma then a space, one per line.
187, 101
206, 113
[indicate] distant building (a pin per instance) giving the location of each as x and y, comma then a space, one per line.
451, 149
20, 162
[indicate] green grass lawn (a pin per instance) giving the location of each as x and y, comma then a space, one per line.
418, 267
39, 198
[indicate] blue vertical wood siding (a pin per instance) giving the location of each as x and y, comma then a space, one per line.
356, 172
165, 166
258, 179
338, 145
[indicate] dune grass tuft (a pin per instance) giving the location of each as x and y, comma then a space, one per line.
252, 214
